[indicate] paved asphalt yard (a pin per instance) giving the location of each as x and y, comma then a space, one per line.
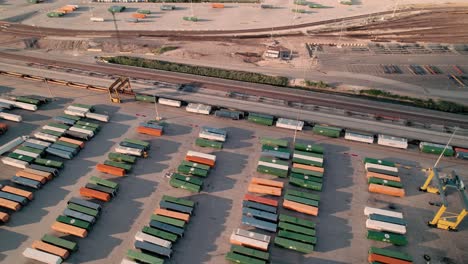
341, 222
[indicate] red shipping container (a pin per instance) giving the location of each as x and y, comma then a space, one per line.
149, 131
208, 162
110, 170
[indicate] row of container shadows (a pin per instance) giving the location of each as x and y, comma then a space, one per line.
166, 227
79, 216
36, 169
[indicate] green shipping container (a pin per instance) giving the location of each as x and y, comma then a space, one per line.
57, 125
307, 172
432, 148
144, 11
193, 19
33, 150
238, 258
27, 100
250, 252
297, 237
301, 200
274, 160
274, 142
82, 209
297, 221
60, 242
103, 182
272, 171
180, 201
142, 143
67, 144
307, 162
328, 131
121, 157
192, 180
76, 118
294, 245
201, 142
279, 149
92, 129
306, 184
303, 194
21, 157
145, 98
385, 182
142, 257
73, 222
49, 163
261, 119
395, 239
88, 124
309, 148
195, 165
184, 185
89, 107
168, 220
192, 171
159, 233
125, 166
390, 253
51, 132
379, 161
296, 228
305, 177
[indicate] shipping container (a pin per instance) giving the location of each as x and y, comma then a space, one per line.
100, 188
25, 153
160, 234
328, 131
192, 19
391, 141
433, 148
262, 200
144, 11
259, 206
11, 117
198, 108
129, 151
85, 192
11, 144
371, 174
385, 182
32, 145
12, 205
78, 215
60, 242
25, 106
296, 228
85, 203
26, 182
391, 253
73, 150
192, 171
41, 256
375, 258
201, 160
395, 239
370, 210
140, 236
392, 191
260, 214
180, 201
74, 222
257, 254
67, 144
379, 161
142, 257
274, 142
307, 172
359, 136
305, 177
168, 220
13, 197
122, 165
390, 170
45, 137
99, 117
276, 165
312, 185
21, 157
309, 148
290, 124
32, 176
302, 208
217, 5
224, 113
184, 185
64, 120
110, 170
260, 119
75, 112
54, 128
4, 217
149, 131
388, 219
155, 249
38, 142
97, 19
301, 200
272, 171
14, 162
87, 132
201, 142
294, 245
77, 135
69, 229
16, 191
212, 136
60, 153
121, 157
262, 189
83, 209
384, 226
103, 182
168, 7
138, 15
297, 237
239, 258
189, 179
54, 171
176, 207
167, 227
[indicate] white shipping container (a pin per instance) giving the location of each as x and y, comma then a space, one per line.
38, 142
41, 256
370, 210
211, 136
12, 144
126, 261
140, 236
381, 167
74, 112
359, 137
21, 105
15, 163
257, 236
169, 102
299, 156
45, 137
97, 19
129, 151
395, 142
57, 129
290, 124
26, 153
201, 155
249, 242
99, 117
273, 165
77, 108
384, 226
198, 108
81, 130
11, 117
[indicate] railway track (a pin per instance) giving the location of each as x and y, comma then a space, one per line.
300, 96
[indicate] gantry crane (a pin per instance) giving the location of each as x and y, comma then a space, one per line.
120, 86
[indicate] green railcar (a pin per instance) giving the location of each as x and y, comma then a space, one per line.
261, 119
432, 148
328, 131
145, 98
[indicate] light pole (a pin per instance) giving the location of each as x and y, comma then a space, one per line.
116, 30
156, 109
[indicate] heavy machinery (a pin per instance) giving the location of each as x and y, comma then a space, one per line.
119, 87
443, 219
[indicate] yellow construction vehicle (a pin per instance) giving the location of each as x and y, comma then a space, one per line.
443, 219
119, 87
426, 188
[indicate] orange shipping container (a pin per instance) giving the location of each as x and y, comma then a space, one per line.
66, 11
67, 8
69, 229
180, 216
19, 192
302, 208
235, 242
85, 192
31, 176
258, 199
371, 174
262, 189
4, 217
73, 141
384, 259
216, 5
39, 245
208, 162
308, 167
9, 204
110, 170
137, 15
376, 188
266, 182
34, 176
149, 131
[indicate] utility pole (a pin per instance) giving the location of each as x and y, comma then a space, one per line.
156, 109
394, 9
116, 31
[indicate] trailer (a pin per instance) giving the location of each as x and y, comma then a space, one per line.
391, 141
359, 136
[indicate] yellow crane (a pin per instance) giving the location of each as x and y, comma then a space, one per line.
119, 87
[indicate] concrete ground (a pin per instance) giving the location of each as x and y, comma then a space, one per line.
341, 223
233, 16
